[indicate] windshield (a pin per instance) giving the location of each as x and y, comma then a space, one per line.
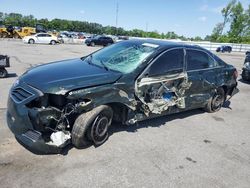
123, 57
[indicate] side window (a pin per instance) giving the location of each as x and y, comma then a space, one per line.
219, 61
40, 35
199, 60
47, 35
169, 62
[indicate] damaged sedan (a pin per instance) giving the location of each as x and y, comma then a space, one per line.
75, 101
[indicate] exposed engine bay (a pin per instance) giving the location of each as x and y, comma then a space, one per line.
53, 116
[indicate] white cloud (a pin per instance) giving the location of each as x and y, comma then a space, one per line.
203, 8
202, 18
218, 9
206, 8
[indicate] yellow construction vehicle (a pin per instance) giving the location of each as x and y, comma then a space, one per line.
4, 33
20, 32
23, 31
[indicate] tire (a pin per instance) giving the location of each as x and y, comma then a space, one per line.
217, 101
16, 36
87, 126
5, 35
52, 42
3, 73
243, 75
31, 41
92, 44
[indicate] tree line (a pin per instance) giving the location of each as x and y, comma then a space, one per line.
233, 16
238, 21
20, 20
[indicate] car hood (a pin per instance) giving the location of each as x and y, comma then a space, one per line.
64, 76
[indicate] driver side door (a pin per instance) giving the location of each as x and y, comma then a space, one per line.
161, 87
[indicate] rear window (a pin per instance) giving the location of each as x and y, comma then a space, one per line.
197, 60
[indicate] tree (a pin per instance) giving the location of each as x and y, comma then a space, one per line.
217, 32
237, 26
226, 12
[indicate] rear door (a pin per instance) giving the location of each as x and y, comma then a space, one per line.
204, 73
47, 38
40, 38
162, 85
100, 41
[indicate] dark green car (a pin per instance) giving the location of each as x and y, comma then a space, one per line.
75, 101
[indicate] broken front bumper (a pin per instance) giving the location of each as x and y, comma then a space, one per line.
19, 123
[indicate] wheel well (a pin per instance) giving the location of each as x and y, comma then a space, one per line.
120, 112
225, 88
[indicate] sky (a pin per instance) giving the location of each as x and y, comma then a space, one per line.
185, 17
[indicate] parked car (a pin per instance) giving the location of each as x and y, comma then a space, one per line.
224, 49
127, 82
41, 38
246, 68
4, 62
99, 40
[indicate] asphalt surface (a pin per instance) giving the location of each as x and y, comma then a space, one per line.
191, 149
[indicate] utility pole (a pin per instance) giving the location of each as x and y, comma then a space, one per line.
146, 29
116, 20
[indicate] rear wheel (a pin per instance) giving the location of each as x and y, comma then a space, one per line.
92, 127
31, 41
217, 101
3, 73
53, 42
92, 44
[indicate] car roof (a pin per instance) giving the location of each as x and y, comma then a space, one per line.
164, 44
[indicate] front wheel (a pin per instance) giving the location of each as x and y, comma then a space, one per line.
53, 42
92, 44
216, 102
92, 127
31, 41
3, 73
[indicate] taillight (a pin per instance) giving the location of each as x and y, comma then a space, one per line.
235, 75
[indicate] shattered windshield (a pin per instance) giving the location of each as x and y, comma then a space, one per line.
123, 57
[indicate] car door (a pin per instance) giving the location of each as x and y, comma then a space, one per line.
101, 41
47, 38
39, 38
204, 73
161, 87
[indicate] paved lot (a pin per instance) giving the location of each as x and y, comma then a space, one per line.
191, 149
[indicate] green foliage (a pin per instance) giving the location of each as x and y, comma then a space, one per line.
238, 20
82, 26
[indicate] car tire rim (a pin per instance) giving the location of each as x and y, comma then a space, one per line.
99, 129
218, 101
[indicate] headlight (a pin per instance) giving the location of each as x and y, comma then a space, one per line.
15, 83
246, 65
